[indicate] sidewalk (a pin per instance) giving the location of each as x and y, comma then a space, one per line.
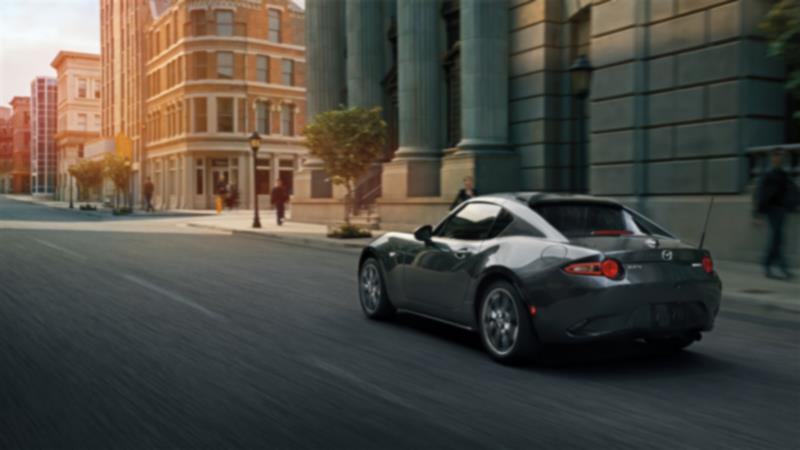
241, 222
104, 212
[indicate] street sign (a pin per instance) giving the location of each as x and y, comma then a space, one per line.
124, 146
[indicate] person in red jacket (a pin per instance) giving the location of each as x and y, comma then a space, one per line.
279, 197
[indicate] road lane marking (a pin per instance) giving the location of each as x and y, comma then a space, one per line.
62, 249
172, 296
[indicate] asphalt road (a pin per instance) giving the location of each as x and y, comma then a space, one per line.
143, 334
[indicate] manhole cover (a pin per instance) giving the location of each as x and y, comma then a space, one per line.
755, 291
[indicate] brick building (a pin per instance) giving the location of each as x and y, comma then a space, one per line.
123, 25
6, 149
681, 103
78, 112
21, 144
215, 72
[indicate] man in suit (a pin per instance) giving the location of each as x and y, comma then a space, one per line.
775, 197
279, 197
465, 193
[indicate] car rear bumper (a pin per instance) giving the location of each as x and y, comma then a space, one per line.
630, 311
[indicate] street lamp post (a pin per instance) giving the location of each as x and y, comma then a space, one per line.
130, 182
255, 143
580, 77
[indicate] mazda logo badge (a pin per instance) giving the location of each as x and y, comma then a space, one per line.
666, 255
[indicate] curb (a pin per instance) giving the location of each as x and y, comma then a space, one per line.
347, 247
745, 303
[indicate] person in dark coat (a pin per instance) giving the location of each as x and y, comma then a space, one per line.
776, 196
279, 197
465, 193
149, 189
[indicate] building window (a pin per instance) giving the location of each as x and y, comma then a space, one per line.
200, 65
262, 118
287, 120
81, 87
199, 177
225, 65
274, 31
225, 115
263, 171
198, 22
97, 121
224, 23
82, 122
200, 121
241, 113
287, 72
168, 35
96, 84
262, 69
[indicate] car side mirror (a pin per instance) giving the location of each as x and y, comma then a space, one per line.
424, 233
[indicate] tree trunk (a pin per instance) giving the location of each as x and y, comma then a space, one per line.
347, 201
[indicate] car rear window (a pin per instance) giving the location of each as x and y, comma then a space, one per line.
589, 219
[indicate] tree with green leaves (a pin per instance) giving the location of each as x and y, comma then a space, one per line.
118, 170
88, 176
348, 141
782, 27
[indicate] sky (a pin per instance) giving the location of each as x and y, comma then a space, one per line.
32, 32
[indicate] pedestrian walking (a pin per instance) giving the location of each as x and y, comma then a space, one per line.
775, 197
279, 197
221, 190
149, 189
465, 193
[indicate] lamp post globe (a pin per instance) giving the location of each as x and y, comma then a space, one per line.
255, 144
580, 75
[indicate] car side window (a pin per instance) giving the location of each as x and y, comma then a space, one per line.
472, 222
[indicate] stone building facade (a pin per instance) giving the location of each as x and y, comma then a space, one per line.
77, 115
682, 101
43, 131
216, 71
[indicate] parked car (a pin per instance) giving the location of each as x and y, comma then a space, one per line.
528, 269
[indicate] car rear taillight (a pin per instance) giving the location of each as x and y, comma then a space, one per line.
708, 264
609, 268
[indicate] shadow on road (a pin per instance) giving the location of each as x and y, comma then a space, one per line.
620, 359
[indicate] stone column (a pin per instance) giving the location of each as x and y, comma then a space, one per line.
365, 52
325, 85
483, 152
414, 172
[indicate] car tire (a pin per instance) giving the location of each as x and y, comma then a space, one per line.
673, 344
505, 326
372, 291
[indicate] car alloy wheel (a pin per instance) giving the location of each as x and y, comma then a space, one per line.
500, 321
372, 292
370, 287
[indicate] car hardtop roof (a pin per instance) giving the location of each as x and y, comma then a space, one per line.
537, 198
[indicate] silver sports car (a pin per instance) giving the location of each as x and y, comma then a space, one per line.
528, 269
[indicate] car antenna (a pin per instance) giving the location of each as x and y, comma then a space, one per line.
705, 227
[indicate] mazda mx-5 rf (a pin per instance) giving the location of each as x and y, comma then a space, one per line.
528, 269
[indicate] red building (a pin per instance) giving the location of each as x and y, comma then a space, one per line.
21, 144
